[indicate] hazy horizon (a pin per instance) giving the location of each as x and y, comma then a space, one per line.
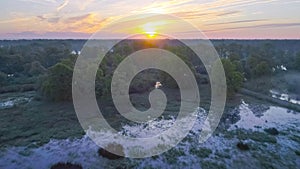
145, 38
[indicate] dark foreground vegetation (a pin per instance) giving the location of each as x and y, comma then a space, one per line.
66, 166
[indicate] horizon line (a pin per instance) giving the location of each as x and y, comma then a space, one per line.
149, 39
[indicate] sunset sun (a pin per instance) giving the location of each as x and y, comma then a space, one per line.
150, 29
151, 34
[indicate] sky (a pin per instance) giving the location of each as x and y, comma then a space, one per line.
217, 19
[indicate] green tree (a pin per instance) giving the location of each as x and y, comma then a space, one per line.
34, 68
234, 57
262, 69
234, 78
58, 83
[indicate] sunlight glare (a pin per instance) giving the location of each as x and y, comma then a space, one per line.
151, 28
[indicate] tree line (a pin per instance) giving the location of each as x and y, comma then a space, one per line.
50, 65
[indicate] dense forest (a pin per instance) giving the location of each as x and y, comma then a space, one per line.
47, 65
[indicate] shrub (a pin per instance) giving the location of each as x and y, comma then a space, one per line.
66, 166
242, 146
272, 131
112, 148
3, 78
212, 165
172, 155
200, 152
255, 136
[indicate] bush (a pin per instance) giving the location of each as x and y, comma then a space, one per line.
243, 146
255, 136
66, 166
200, 152
18, 88
212, 165
112, 148
3, 78
172, 155
272, 131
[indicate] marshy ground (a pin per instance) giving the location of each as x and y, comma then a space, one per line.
252, 134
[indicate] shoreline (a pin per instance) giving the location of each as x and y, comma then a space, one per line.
270, 99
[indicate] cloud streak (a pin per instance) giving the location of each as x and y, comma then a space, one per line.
48, 35
65, 3
240, 21
261, 26
78, 18
201, 14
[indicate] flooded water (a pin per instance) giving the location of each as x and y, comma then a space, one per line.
218, 151
286, 97
11, 102
278, 117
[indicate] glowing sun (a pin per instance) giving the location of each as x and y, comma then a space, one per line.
150, 34
150, 29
